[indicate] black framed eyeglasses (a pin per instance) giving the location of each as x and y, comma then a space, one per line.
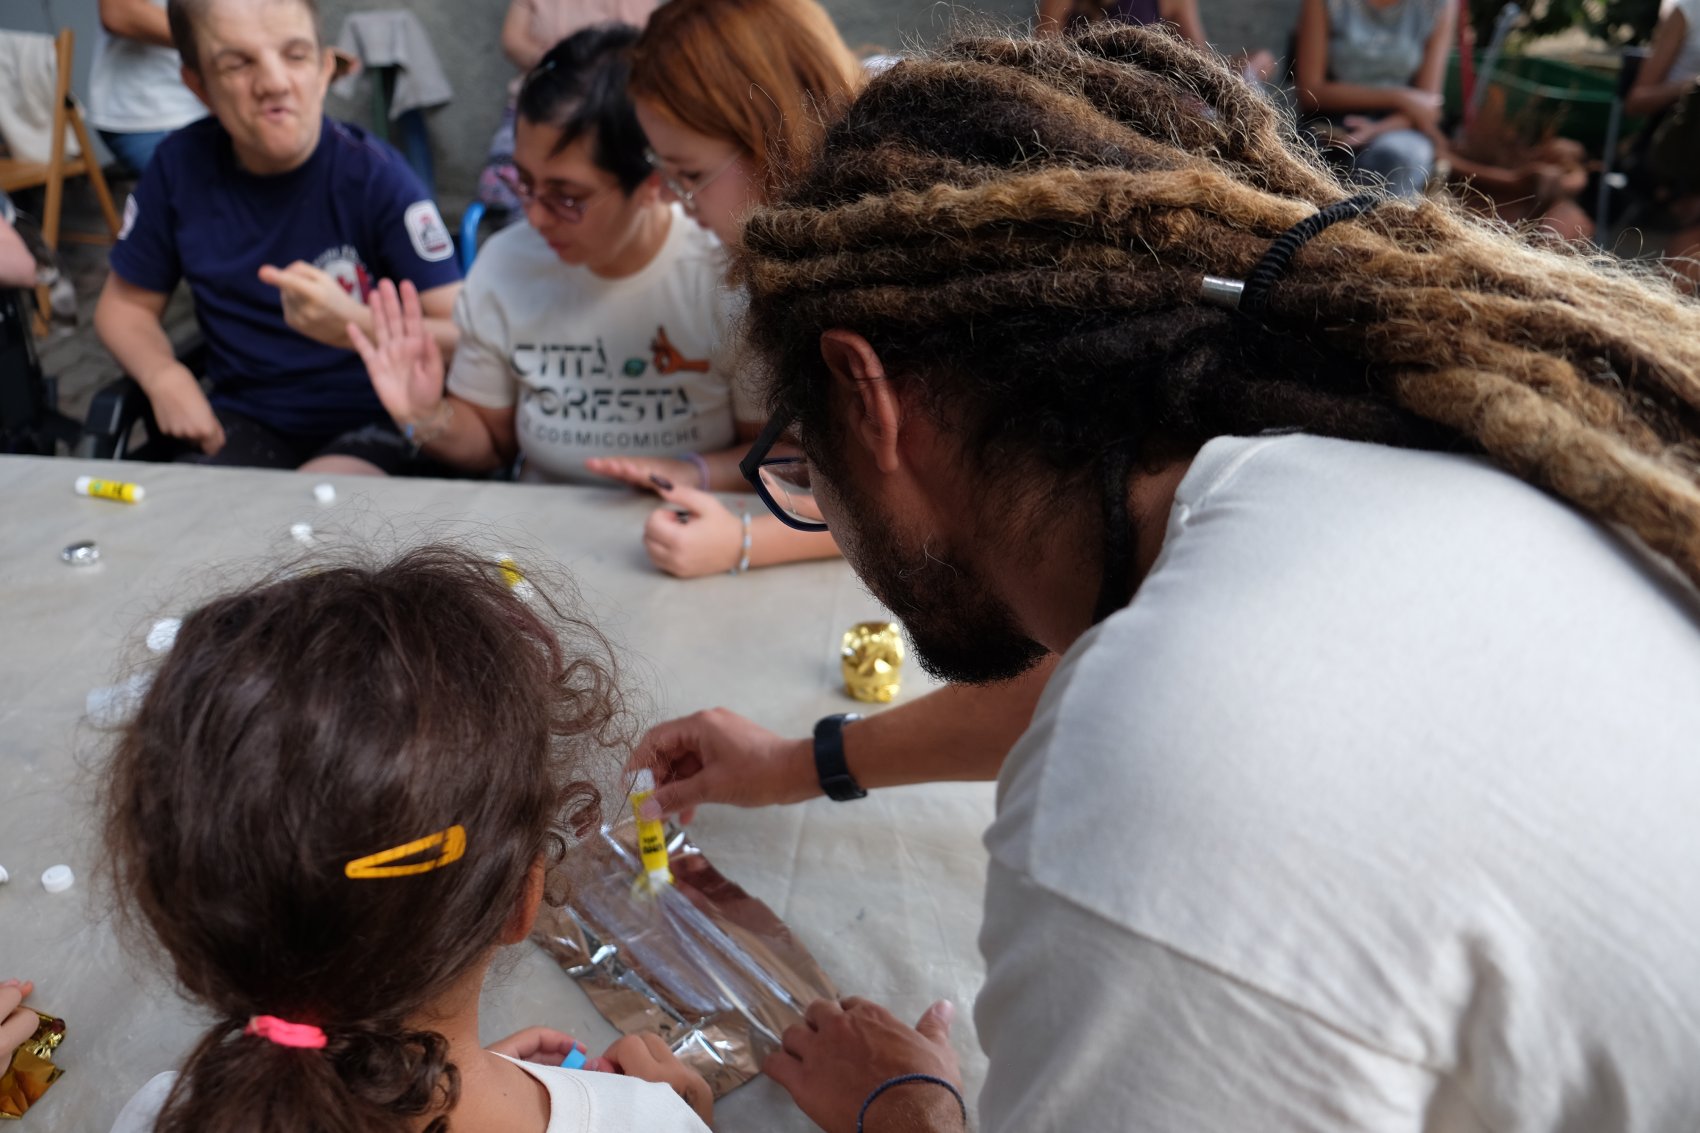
782, 482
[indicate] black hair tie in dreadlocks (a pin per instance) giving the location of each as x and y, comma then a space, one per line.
1250, 296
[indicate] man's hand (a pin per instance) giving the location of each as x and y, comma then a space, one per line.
182, 410
646, 1056
314, 303
17, 1023
719, 757
693, 536
402, 358
843, 1050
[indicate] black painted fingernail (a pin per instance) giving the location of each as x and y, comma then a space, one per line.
684, 516
661, 482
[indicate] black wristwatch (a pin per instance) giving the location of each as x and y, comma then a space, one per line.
835, 778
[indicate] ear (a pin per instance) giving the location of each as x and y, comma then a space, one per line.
196, 84
327, 68
877, 414
524, 914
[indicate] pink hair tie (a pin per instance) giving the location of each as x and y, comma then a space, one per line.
284, 1033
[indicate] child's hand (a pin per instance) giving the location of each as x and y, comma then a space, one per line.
703, 538
646, 1056
542, 1045
17, 1023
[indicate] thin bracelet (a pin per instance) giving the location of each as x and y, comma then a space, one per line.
702, 468
743, 566
902, 1079
433, 426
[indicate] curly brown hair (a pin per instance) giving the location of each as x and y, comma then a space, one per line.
322, 717
1022, 226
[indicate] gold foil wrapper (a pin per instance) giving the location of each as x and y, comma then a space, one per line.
872, 659
700, 962
32, 1069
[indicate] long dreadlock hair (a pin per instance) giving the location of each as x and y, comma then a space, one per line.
1023, 226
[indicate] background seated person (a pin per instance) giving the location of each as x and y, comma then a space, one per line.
1370, 71
268, 180
589, 331
1667, 91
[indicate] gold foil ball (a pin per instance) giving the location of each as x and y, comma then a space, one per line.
872, 659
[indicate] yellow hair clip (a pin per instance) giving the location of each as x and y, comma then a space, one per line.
452, 840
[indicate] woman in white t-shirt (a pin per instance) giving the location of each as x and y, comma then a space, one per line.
591, 331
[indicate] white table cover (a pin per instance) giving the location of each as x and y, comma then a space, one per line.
886, 892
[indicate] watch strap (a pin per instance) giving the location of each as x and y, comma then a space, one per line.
830, 767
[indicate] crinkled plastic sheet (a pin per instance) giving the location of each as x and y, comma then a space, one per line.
702, 963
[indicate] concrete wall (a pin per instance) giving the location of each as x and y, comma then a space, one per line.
466, 35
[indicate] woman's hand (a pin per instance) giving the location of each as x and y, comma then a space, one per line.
832, 1061
17, 1023
649, 473
402, 357
646, 1056
694, 535
720, 757
544, 1046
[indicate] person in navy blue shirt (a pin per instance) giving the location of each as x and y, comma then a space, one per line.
281, 221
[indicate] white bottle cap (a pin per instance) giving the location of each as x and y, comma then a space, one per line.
163, 633
645, 781
325, 493
4, 876
302, 532
57, 879
81, 487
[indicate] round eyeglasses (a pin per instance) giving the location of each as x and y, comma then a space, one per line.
687, 193
558, 204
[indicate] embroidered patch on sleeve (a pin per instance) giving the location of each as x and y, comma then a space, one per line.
429, 234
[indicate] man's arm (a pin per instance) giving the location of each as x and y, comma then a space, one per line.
17, 266
127, 320
956, 733
136, 19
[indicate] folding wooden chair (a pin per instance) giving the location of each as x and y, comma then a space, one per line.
51, 174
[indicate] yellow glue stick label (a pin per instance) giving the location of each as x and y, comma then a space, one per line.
109, 489
652, 833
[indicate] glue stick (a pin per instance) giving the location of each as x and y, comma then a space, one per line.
110, 490
652, 834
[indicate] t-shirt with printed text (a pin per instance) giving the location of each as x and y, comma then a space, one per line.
594, 366
354, 209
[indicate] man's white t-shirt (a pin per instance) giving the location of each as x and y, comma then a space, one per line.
1378, 809
137, 88
580, 1101
593, 366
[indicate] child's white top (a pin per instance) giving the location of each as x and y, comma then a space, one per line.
580, 1101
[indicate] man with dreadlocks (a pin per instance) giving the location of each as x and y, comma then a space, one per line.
1361, 797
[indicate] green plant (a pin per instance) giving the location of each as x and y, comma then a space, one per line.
1617, 22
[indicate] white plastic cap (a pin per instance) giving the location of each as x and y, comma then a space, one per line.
163, 633
82, 485
325, 493
57, 879
4, 876
645, 781
301, 532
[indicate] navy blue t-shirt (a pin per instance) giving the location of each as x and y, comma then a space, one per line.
353, 209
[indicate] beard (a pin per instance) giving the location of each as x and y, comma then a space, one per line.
961, 631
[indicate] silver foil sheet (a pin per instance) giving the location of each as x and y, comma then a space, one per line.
703, 964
